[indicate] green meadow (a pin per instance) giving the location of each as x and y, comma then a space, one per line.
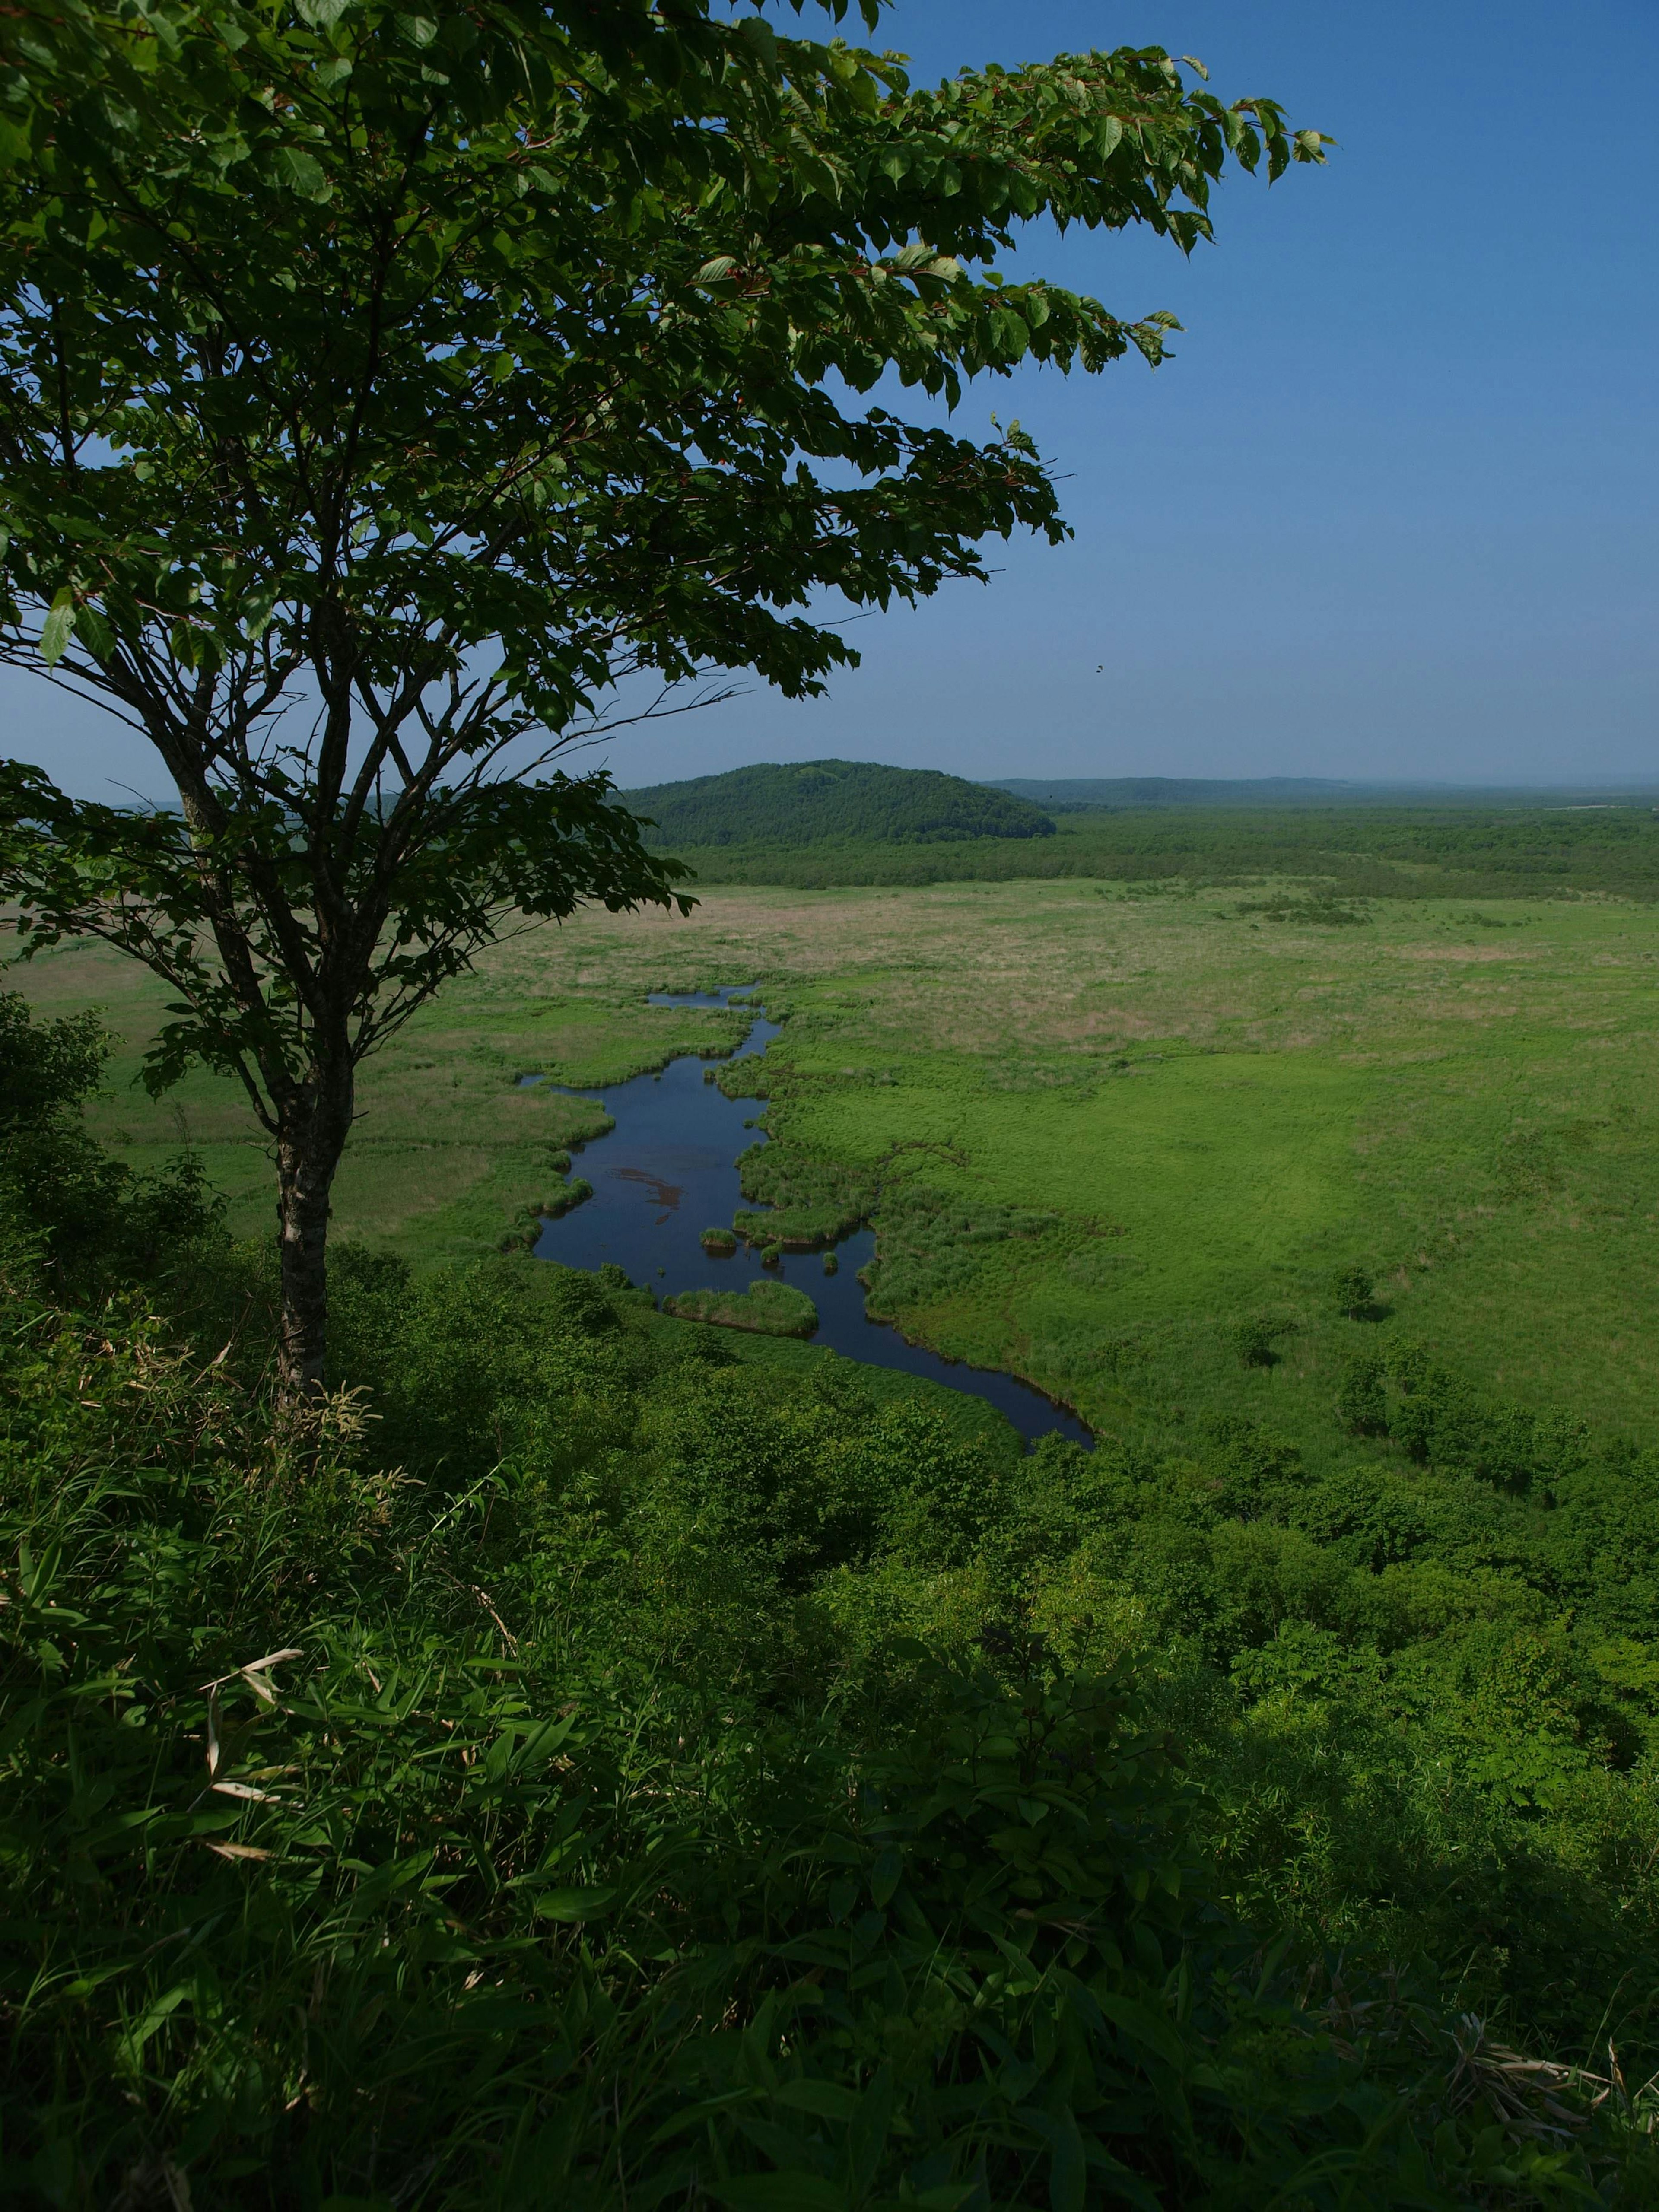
1103, 1127
447, 1149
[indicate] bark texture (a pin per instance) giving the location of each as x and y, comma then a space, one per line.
314, 1124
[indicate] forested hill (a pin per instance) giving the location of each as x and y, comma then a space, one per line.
830, 801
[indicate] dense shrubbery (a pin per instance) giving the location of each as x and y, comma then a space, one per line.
606, 1835
576, 1765
95, 1223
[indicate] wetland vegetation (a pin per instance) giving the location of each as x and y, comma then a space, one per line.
1341, 1239
775, 1308
1449, 849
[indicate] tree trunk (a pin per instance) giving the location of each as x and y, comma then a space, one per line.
314, 1125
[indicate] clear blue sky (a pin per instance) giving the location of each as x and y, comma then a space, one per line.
1389, 512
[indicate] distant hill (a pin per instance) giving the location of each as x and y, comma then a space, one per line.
831, 801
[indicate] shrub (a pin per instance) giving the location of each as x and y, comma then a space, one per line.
97, 1224
1351, 1289
575, 1193
718, 1241
1253, 1338
1362, 1400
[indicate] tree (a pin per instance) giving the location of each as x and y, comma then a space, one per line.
389, 397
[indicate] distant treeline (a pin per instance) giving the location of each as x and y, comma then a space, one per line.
1072, 794
1369, 852
811, 803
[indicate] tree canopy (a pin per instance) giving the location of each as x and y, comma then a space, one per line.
392, 401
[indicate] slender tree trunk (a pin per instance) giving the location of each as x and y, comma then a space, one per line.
314, 1125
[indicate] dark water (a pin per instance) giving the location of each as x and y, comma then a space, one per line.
667, 1172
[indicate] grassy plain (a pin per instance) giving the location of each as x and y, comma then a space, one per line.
447, 1147
1104, 1127
1462, 849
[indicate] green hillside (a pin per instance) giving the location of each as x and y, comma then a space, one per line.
831, 801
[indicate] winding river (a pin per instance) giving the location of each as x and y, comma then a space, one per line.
667, 1171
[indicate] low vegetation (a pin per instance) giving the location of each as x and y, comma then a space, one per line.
773, 1309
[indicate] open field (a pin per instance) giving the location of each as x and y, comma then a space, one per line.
447, 1147
1104, 1128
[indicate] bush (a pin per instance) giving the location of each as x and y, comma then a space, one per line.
1362, 1400
720, 1241
1351, 1289
97, 1224
1253, 1340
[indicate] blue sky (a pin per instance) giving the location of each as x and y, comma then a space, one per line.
1388, 513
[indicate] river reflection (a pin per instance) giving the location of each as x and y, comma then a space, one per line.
667, 1172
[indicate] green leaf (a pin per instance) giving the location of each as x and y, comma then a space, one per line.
58, 627
886, 1874
300, 172
1145, 2027
758, 34
575, 1903
159, 2010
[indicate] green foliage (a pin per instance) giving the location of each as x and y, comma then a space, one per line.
775, 1308
504, 293
1362, 1400
718, 1241
596, 1759
1318, 908
931, 1247
1253, 1338
800, 1202
439, 1809
96, 1222
831, 801
1350, 1289
1336, 853
525, 1233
